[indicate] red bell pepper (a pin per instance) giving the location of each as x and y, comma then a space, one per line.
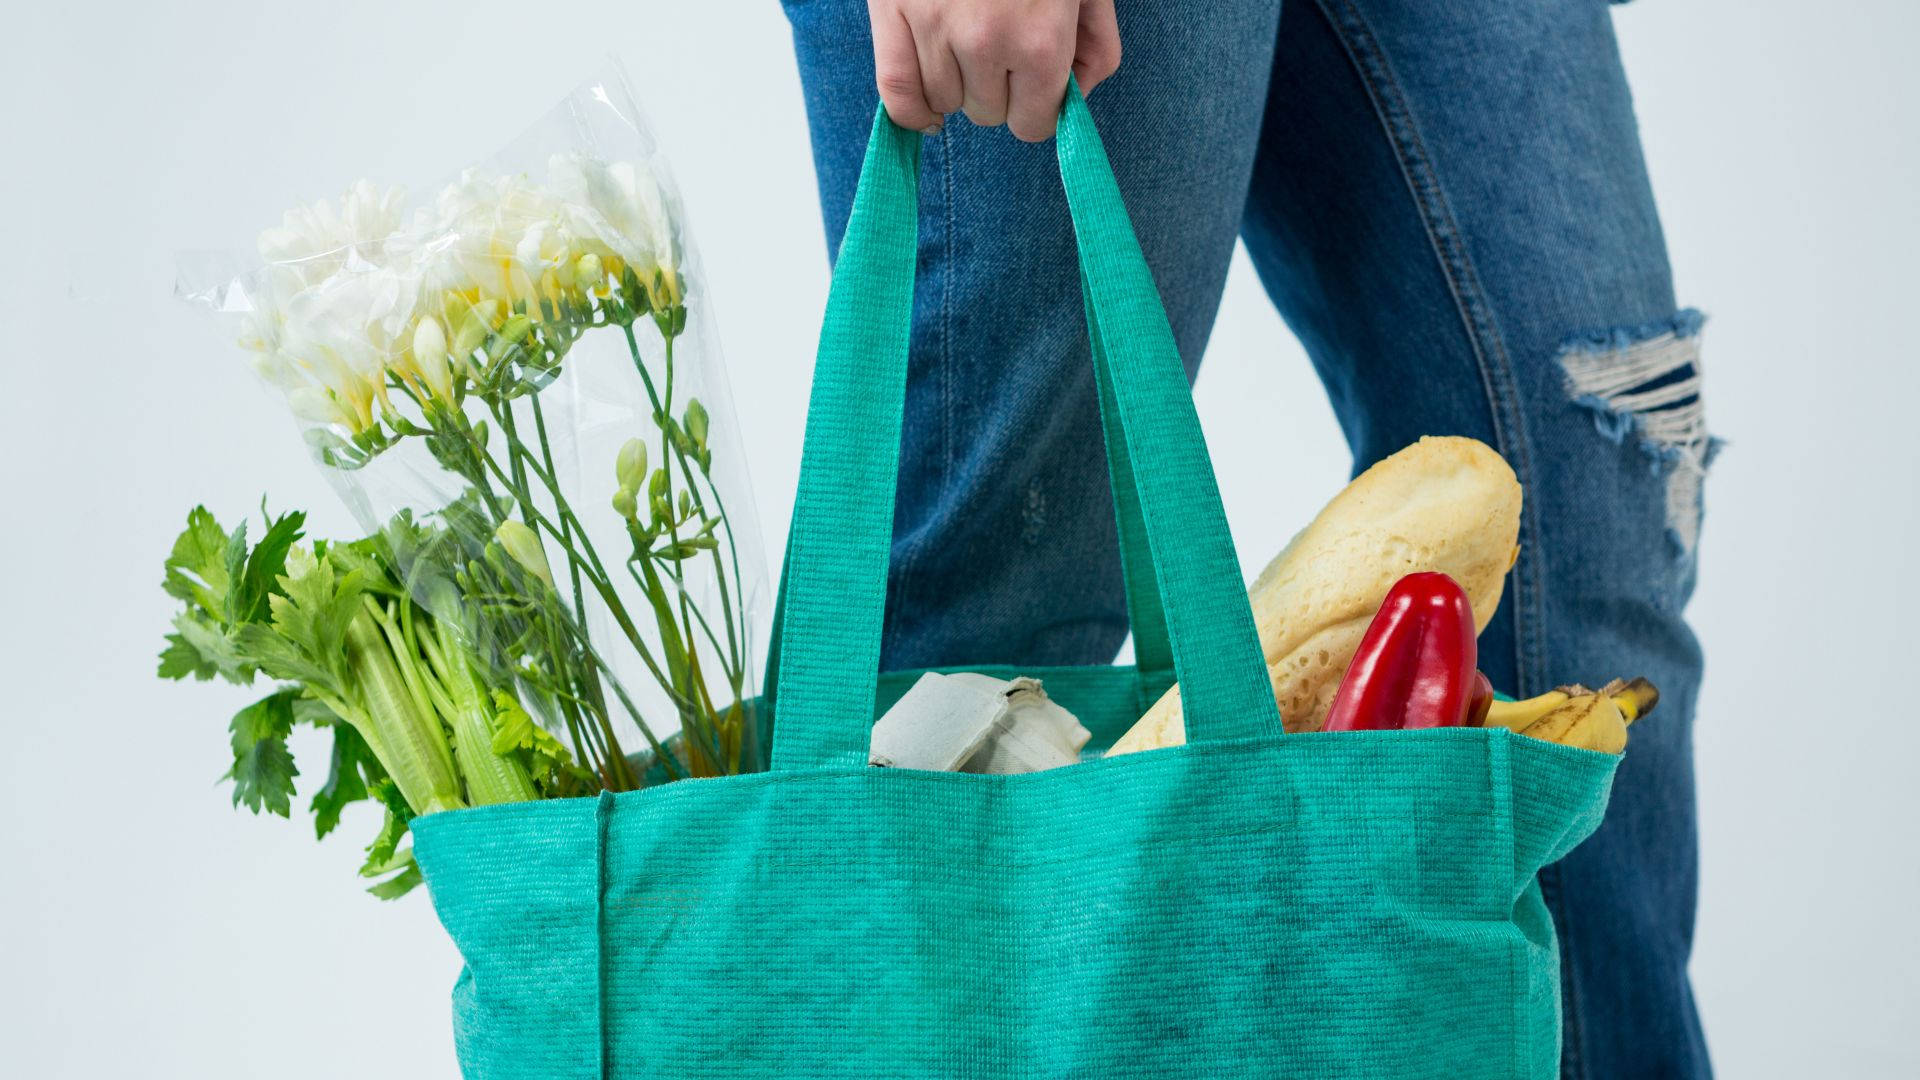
1416, 666
1482, 700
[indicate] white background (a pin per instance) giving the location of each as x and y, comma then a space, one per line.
148, 929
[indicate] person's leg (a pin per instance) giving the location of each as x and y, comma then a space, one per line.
1450, 208
1004, 540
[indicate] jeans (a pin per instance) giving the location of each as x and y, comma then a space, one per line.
1448, 205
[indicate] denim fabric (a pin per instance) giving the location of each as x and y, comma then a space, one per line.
1445, 201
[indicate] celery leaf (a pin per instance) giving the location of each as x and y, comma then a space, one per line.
263, 769
196, 569
353, 765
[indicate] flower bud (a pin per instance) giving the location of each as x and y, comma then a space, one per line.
657, 486
316, 405
474, 328
625, 504
492, 312
523, 544
630, 468
697, 422
588, 273
514, 330
430, 358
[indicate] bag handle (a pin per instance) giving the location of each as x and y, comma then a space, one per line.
1152, 652
829, 640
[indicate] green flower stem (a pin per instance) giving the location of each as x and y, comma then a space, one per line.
695, 721
660, 408
546, 456
590, 677
734, 665
613, 765
479, 461
597, 576
620, 692
736, 669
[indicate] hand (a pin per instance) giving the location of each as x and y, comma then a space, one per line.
999, 61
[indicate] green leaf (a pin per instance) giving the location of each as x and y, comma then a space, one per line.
284, 659
218, 655
311, 614
259, 577
383, 855
263, 768
196, 569
515, 731
398, 885
346, 783
180, 659
513, 727
233, 564
308, 711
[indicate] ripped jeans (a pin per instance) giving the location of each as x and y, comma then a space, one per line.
1447, 202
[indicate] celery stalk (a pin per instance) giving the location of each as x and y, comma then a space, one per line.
462, 699
416, 754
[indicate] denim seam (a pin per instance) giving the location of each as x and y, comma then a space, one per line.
1391, 105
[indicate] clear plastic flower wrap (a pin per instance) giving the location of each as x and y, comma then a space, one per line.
516, 386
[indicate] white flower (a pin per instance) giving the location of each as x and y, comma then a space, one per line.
615, 209
338, 338
472, 238
313, 242
351, 300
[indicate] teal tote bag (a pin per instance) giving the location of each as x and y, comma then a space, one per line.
1252, 904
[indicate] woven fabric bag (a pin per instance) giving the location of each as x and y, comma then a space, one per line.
1250, 904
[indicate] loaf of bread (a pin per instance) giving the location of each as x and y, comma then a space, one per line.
1445, 503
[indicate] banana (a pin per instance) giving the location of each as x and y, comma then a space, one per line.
1558, 725
1517, 715
1577, 716
1598, 724
1636, 697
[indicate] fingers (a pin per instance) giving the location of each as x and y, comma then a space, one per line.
1038, 56
985, 92
1034, 97
1096, 53
896, 69
999, 61
939, 75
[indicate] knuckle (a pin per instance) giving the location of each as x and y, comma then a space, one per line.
976, 38
897, 83
1041, 48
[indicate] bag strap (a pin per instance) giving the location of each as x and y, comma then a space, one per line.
1152, 653
829, 639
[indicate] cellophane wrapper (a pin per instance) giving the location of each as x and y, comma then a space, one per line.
570, 325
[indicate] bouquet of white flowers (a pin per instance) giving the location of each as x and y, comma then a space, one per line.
516, 389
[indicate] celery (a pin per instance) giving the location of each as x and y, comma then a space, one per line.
421, 722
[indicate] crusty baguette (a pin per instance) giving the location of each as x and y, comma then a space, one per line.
1445, 503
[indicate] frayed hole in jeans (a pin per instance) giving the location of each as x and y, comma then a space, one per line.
1645, 383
